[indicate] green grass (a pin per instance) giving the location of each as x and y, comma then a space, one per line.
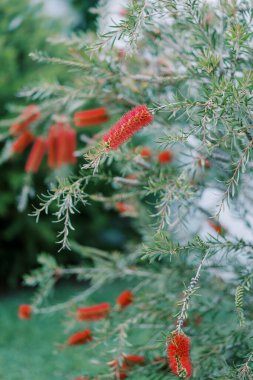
32, 349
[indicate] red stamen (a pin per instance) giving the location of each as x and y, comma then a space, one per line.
36, 155
179, 354
165, 157
24, 311
22, 142
80, 337
146, 152
125, 299
93, 313
127, 126
91, 117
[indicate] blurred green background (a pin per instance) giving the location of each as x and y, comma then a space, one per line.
31, 350
25, 26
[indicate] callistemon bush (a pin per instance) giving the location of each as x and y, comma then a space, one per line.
165, 145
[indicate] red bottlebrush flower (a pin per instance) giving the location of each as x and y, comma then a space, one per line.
18, 127
125, 299
215, 227
179, 355
22, 142
134, 359
165, 157
204, 163
71, 146
52, 146
146, 152
36, 155
91, 117
61, 145
80, 337
127, 126
30, 114
93, 313
24, 311
123, 207
122, 375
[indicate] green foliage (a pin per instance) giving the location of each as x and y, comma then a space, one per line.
24, 29
192, 66
21, 19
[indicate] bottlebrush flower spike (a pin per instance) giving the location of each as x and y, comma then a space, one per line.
123, 207
80, 337
134, 359
52, 146
24, 311
91, 117
165, 157
71, 146
22, 142
127, 126
30, 114
146, 152
61, 145
93, 313
36, 155
179, 355
125, 299
216, 227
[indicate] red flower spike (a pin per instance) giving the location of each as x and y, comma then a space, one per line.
71, 146
179, 354
134, 359
29, 115
62, 145
125, 299
22, 142
36, 155
80, 337
91, 117
52, 146
165, 157
18, 127
93, 313
215, 227
123, 207
127, 126
146, 152
24, 311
